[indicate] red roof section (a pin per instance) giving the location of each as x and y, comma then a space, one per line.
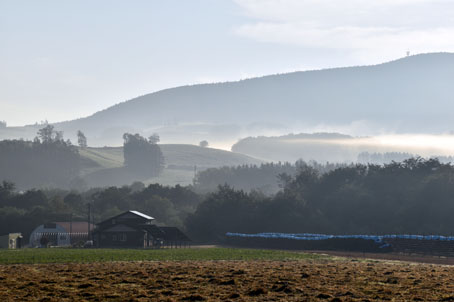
77, 226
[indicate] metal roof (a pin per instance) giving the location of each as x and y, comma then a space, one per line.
142, 215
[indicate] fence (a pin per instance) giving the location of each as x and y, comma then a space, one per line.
57, 239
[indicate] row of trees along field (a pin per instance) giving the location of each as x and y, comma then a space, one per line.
22, 212
265, 178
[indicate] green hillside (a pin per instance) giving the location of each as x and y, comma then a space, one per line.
101, 158
103, 166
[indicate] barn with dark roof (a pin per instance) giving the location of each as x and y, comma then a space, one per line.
133, 229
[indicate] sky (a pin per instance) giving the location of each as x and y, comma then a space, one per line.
61, 60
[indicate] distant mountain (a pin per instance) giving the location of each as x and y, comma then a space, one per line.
412, 94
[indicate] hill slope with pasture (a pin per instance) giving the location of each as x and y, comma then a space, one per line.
103, 166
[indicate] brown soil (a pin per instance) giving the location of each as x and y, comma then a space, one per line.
322, 280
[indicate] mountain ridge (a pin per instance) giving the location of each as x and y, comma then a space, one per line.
403, 95
138, 98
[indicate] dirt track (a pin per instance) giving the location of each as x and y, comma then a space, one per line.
344, 280
391, 256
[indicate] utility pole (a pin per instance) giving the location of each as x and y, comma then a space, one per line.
88, 221
70, 227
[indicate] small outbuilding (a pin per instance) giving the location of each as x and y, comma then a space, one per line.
11, 241
60, 233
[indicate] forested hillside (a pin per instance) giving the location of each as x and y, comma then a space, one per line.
392, 97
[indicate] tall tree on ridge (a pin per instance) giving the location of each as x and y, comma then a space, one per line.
142, 155
81, 139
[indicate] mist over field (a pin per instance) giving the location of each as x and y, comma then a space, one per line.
227, 150
335, 147
378, 114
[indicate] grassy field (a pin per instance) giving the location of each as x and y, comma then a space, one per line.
107, 157
63, 255
177, 155
102, 166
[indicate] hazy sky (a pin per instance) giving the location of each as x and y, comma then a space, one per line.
61, 60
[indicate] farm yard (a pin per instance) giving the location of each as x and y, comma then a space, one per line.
217, 274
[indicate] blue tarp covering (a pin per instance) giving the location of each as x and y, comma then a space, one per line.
309, 236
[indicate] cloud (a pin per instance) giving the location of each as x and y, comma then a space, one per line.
365, 28
351, 12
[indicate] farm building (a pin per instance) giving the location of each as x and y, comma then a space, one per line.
11, 241
60, 233
133, 229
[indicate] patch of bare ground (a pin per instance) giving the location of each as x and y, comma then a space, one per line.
320, 280
419, 258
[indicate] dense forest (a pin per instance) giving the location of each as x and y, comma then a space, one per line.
414, 196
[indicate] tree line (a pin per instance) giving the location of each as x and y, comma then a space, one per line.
415, 196
410, 197
23, 211
48, 160
388, 157
264, 178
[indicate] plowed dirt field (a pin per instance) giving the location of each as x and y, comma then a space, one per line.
302, 280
